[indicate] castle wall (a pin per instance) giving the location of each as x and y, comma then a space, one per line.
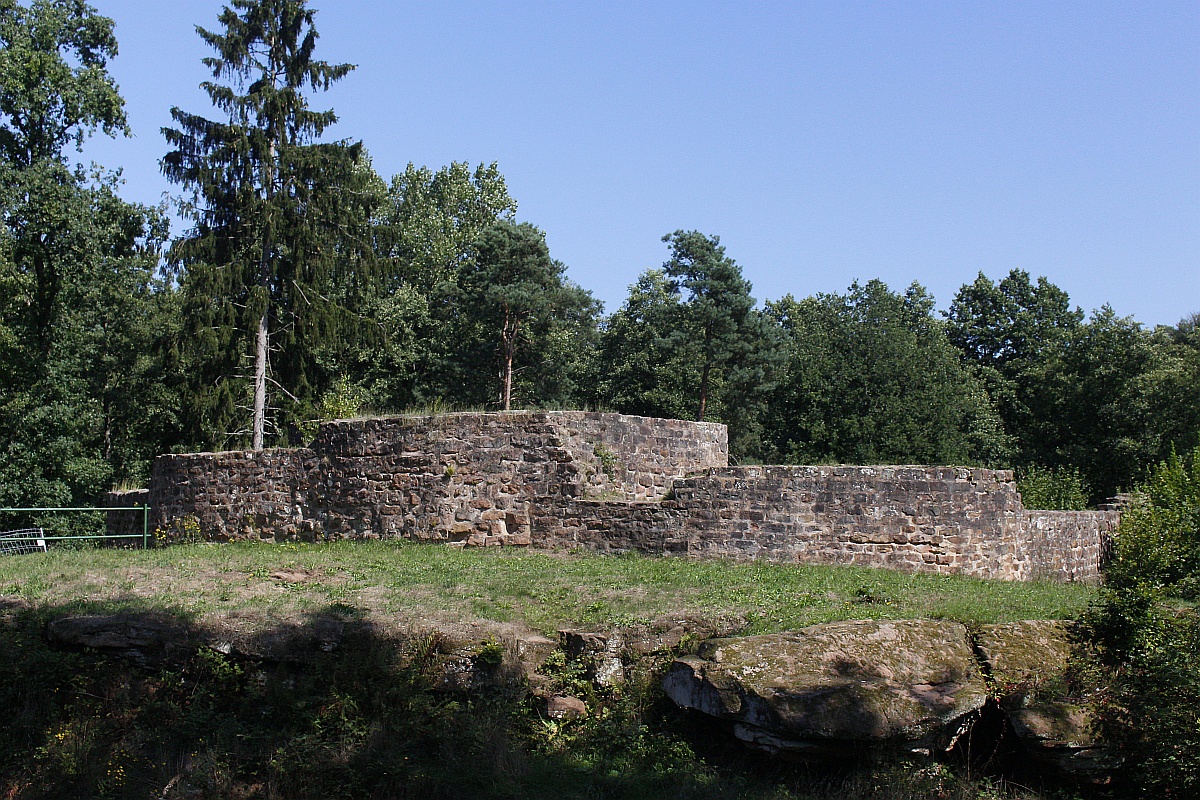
1068, 545
126, 523
613, 527
930, 519
613, 483
915, 519
455, 478
235, 495
935, 519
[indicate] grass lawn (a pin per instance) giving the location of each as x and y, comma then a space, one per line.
365, 721
399, 582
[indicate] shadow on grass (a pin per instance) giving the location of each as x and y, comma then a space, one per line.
120, 699
125, 700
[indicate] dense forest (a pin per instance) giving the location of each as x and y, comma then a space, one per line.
306, 286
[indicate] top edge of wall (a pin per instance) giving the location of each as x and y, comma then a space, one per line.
887, 470
521, 413
453, 416
266, 451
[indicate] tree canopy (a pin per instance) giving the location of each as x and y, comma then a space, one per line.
84, 401
510, 301
872, 378
1101, 395
690, 343
306, 283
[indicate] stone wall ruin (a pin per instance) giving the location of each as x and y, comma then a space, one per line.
615, 483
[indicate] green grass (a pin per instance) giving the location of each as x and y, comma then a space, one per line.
364, 721
540, 591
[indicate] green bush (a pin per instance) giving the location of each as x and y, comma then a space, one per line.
1053, 489
1159, 538
1149, 667
1144, 632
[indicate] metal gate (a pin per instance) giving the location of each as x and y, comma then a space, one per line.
35, 540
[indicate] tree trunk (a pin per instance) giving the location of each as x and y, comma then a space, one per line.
262, 339
508, 341
704, 373
508, 359
260, 381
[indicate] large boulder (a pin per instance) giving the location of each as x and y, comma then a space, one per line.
151, 639
148, 640
830, 690
1028, 663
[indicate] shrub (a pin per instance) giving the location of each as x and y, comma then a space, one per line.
1145, 634
1159, 538
1053, 489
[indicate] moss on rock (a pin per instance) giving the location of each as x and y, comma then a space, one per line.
911, 683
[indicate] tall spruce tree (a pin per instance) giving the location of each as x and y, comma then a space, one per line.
267, 210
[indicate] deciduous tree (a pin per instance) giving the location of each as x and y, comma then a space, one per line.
55, 90
430, 221
871, 378
424, 232
1102, 395
83, 399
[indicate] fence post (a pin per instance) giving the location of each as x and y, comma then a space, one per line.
145, 526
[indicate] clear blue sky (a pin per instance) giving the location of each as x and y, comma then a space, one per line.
824, 142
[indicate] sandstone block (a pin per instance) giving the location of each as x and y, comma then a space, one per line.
143, 639
1028, 661
565, 708
912, 685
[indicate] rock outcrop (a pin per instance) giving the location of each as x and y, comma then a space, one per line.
1028, 664
148, 640
826, 691
832, 690
154, 640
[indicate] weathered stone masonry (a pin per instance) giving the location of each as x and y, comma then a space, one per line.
616, 483
475, 479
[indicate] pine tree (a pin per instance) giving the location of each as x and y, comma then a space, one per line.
641, 371
514, 306
270, 209
717, 323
